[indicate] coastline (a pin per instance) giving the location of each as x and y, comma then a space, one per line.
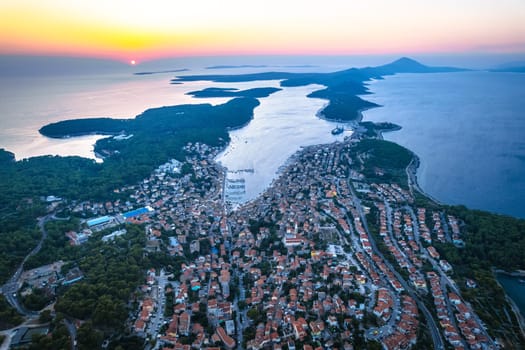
355, 121
233, 128
413, 185
80, 134
380, 132
517, 273
517, 312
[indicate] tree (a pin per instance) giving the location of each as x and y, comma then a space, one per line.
45, 316
88, 337
109, 312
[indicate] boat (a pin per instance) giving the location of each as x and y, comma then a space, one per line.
338, 130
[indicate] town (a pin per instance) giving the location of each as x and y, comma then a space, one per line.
326, 258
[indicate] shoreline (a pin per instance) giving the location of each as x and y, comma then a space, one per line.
517, 312
358, 119
413, 184
380, 132
517, 273
80, 134
411, 171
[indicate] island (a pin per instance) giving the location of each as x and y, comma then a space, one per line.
225, 66
231, 92
162, 71
342, 250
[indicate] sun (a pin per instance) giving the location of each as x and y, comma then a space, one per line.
133, 62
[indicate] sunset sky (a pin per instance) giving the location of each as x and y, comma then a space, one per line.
140, 30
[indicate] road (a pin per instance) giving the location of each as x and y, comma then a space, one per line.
8, 334
238, 311
432, 326
72, 333
158, 294
10, 288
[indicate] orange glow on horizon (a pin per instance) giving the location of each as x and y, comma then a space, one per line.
121, 29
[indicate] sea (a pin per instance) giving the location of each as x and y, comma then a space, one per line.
32, 99
468, 129
28, 103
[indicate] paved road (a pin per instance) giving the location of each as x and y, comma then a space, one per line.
8, 333
72, 333
434, 330
10, 288
240, 297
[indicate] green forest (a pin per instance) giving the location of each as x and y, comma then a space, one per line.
383, 161
231, 92
8, 316
492, 240
159, 135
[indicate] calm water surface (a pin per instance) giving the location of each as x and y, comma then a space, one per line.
282, 124
28, 104
468, 130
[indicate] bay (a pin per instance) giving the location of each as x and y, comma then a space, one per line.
283, 123
33, 97
28, 104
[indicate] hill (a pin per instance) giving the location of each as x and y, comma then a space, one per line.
342, 87
408, 65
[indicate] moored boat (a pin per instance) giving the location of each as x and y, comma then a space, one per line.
337, 130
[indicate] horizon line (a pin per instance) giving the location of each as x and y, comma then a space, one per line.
250, 54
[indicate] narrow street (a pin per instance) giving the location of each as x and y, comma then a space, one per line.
434, 330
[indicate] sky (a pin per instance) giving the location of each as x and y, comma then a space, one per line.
142, 30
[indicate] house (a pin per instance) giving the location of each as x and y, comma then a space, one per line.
225, 338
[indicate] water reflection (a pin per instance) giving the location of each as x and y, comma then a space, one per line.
282, 124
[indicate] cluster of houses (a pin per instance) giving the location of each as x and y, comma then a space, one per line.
314, 204
453, 313
300, 259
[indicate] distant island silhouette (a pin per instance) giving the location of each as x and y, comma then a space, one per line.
231, 92
342, 87
158, 134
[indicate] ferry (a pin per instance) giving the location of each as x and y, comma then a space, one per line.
338, 130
